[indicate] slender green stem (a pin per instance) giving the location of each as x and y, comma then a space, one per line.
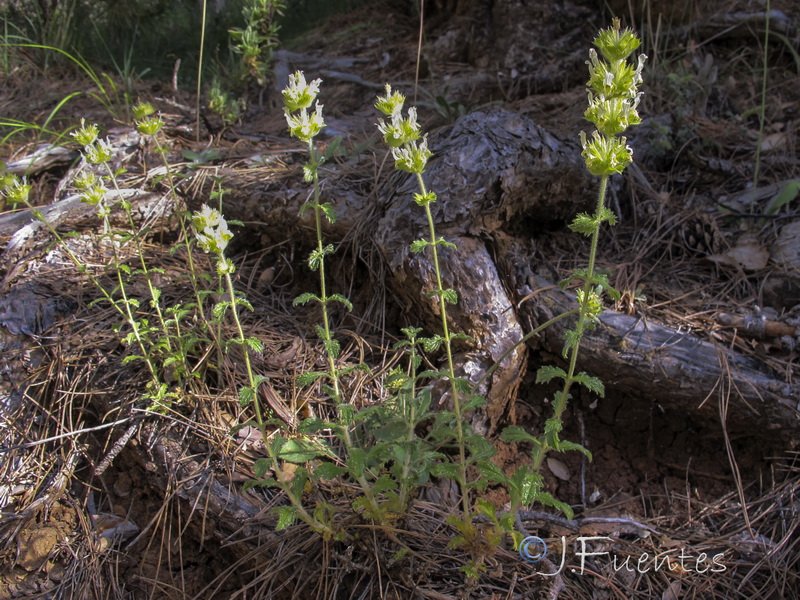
126, 313
560, 404
200, 70
462, 454
326, 327
250, 376
409, 399
184, 232
524, 339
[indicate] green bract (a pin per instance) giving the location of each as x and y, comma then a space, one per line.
305, 126
401, 130
212, 233
16, 191
615, 44
612, 116
299, 94
86, 134
412, 157
391, 103
613, 100
605, 155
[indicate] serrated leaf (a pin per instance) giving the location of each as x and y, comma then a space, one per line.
549, 372
514, 434
254, 344
305, 299
220, 308
418, 246
566, 446
261, 467
309, 377
447, 470
299, 451
245, 303
332, 347
389, 432
593, 384
552, 427
548, 500
584, 224
432, 344
312, 425
328, 210
450, 296
462, 385
486, 508
492, 472
475, 401
246, 395
480, 447
383, 484
328, 470
339, 298
357, 462
287, 515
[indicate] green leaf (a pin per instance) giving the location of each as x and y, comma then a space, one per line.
565, 446
383, 484
309, 377
514, 434
220, 308
450, 296
480, 448
132, 357
475, 401
330, 213
447, 470
328, 470
418, 245
432, 344
305, 299
244, 302
261, 467
246, 395
584, 224
548, 500
552, 427
357, 462
287, 515
332, 347
251, 483
548, 372
492, 472
394, 430
342, 300
462, 385
254, 344
525, 485
593, 384
299, 451
312, 425
787, 194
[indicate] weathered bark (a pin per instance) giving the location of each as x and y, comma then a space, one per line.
499, 180
677, 369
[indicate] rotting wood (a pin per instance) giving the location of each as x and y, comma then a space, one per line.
500, 179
